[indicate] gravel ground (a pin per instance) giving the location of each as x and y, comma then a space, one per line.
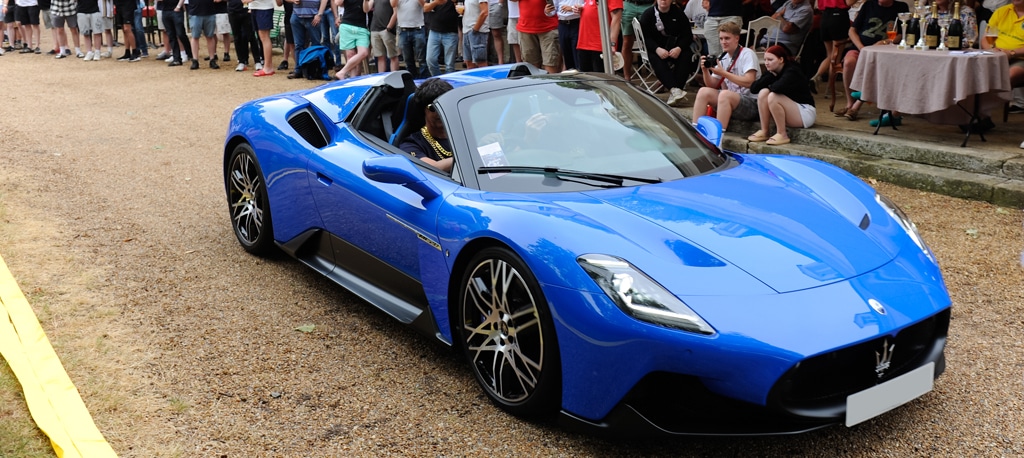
114, 222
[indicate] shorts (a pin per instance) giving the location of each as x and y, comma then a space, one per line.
223, 25
61, 21
384, 43
747, 109
9, 16
90, 24
27, 15
203, 26
541, 48
474, 46
497, 15
264, 19
108, 22
513, 34
630, 11
808, 114
352, 37
835, 24
47, 19
125, 10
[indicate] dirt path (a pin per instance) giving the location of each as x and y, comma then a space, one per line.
112, 217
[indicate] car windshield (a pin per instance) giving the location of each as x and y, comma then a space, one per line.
564, 135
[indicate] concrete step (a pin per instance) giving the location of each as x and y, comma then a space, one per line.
992, 175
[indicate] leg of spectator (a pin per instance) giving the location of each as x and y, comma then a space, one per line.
727, 101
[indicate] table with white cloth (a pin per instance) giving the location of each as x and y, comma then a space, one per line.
943, 87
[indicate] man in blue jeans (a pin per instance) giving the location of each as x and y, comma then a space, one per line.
306, 17
411, 39
444, 35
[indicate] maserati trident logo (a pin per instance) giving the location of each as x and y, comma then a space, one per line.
883, 358
877, 306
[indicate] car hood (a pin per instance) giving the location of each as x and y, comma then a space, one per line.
789, 222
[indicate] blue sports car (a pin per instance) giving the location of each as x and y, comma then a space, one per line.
593, 256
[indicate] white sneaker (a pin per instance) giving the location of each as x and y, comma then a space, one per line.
1022, 144
79, 55
240, 67
169, 59
88, 56
96, 57
675, 96
259, 66
104, 54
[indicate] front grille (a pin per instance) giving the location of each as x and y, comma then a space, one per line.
818, 386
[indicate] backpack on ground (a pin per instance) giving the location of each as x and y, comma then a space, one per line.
314, 62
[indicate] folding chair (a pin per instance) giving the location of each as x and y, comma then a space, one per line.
643, 71
754, 28
277, 32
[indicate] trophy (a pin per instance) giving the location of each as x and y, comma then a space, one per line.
921, 10
903, 17
943, 29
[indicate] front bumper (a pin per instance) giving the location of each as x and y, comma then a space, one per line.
810, 396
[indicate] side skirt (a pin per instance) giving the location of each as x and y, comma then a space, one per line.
366, 276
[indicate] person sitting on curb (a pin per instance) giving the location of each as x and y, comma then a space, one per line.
737, 70
782, 97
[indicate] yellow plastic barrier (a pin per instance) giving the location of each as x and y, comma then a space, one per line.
52, 399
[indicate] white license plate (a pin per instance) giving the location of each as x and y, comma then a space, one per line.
880, 399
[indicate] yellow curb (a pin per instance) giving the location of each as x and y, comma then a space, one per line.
52, 399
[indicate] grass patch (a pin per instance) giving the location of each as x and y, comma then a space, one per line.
19, 436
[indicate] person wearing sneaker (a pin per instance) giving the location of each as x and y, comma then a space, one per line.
90, 24
125, 10
174, 24
588, 45
263, 18
203, 21
65, 13
669, 36
306, 17
222, 29
140, 32
28, 15
244, 36
727, 80
782, 97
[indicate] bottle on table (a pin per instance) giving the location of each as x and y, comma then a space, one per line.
955, 32
913, 29
931, 32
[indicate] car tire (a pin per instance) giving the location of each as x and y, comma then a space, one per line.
248, 203
507, 334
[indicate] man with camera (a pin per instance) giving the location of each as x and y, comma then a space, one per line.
736, 70
668, 37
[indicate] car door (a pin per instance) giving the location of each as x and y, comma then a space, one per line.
383, 233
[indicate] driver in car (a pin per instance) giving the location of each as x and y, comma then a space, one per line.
430, 141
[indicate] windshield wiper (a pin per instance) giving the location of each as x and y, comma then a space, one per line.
602, 177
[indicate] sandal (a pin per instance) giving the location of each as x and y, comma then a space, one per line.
778, 139
840, 112
851, 115
262, 72
758, 136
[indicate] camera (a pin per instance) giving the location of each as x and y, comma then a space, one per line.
710, 61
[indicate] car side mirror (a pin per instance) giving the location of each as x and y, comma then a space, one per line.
399, 170
711, 129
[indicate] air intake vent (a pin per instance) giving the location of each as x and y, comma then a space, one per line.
309, 129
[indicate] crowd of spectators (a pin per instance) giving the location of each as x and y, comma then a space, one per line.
431, 37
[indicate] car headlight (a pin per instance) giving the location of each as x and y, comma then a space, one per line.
908, 226
640, 296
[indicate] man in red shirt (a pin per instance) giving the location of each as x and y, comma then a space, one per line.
538, 34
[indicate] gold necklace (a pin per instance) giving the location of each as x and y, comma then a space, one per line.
434, 143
